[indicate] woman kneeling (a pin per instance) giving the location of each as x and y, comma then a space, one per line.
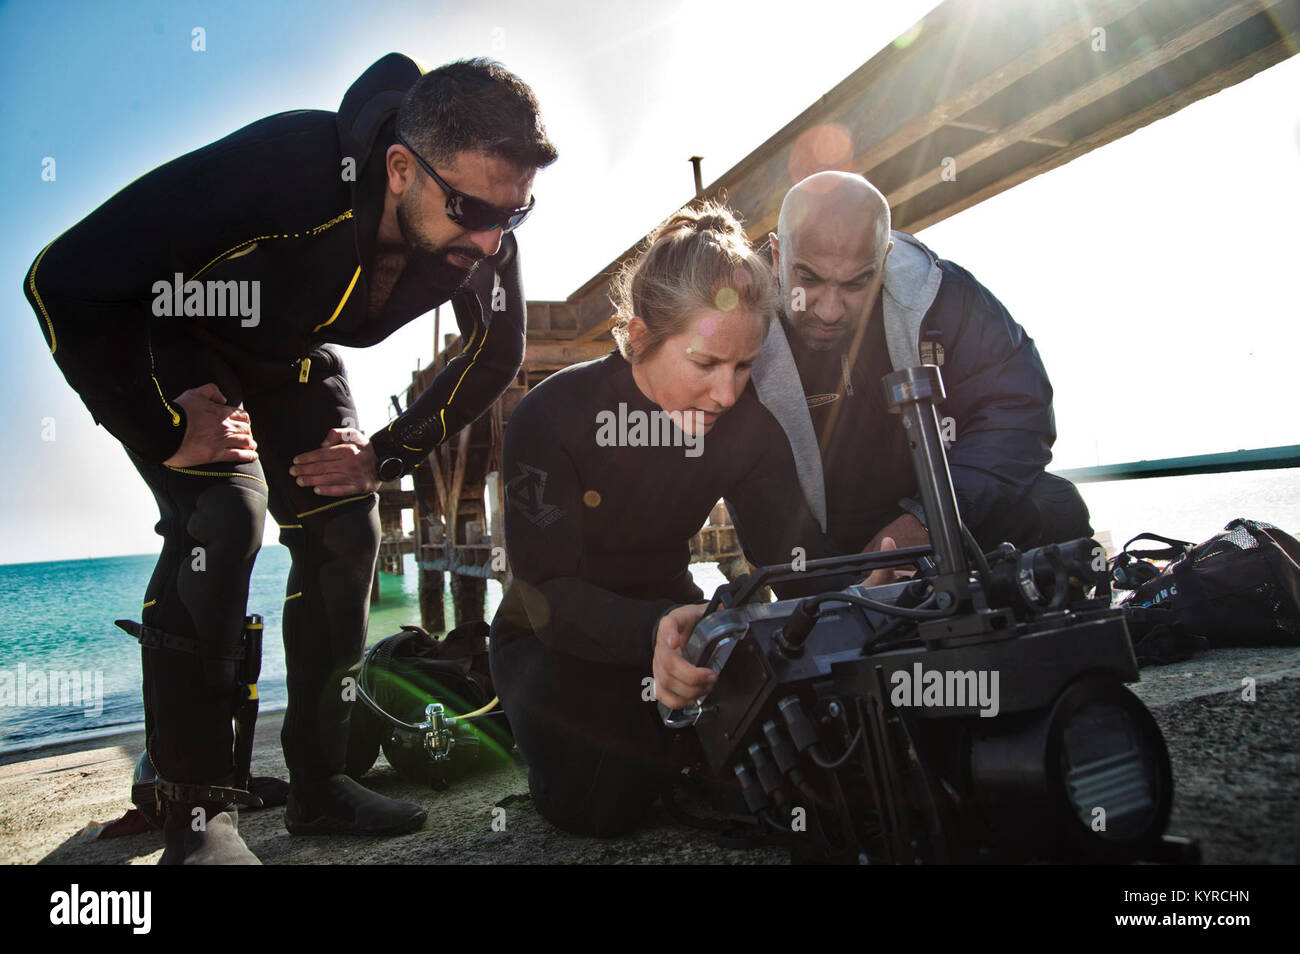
611, 467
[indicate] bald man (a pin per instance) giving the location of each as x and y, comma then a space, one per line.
860, 301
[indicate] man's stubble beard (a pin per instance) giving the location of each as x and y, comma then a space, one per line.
435, 256
823, 344
833, 344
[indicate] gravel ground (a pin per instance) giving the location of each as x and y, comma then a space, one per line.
1236, 763
1236, 770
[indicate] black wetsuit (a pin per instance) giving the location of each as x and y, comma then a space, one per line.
598, 541
273, 203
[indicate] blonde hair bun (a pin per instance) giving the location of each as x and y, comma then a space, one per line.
699, 257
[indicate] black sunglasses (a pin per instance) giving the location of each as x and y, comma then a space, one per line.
471, 212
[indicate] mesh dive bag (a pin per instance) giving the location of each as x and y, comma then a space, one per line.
1239, 588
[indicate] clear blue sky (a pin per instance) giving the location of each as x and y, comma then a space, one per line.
1156, 260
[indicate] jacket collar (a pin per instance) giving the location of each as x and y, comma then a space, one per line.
776, 381
912, 277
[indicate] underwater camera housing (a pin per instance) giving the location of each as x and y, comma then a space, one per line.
975, 713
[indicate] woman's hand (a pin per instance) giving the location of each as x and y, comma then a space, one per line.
677, 682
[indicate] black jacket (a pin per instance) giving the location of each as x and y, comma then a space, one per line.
998, 392
998, 395
292, 201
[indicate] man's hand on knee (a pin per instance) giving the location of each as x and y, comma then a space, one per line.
344, 465
214, 431
677, 682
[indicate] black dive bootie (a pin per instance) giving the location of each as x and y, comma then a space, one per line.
339, 806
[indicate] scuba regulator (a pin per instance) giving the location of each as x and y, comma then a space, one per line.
428, 704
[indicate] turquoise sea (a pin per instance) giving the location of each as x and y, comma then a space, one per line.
58, 617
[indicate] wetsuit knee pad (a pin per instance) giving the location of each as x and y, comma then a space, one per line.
347, 534
230, 517
352, 528
350, 538
333, 556
212, 579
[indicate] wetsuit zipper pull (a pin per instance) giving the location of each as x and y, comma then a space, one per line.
304, 369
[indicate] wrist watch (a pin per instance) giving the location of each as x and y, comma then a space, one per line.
390, 468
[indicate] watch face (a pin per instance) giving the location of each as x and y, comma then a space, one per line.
390, 469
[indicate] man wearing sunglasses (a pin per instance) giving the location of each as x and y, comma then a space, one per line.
194, 312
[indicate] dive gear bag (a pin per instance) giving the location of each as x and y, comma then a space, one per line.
1241, 587
403, 678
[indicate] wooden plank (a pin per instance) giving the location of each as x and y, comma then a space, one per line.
457, 481
992, 131
593, 333
964, 96
555, 354
439, 481
1087, 94
1243, 69
396, 499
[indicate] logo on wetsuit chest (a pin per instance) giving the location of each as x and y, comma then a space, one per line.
817, 400
524, 493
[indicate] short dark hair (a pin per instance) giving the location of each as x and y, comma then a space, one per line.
476, 105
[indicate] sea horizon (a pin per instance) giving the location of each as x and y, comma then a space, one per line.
58, 631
